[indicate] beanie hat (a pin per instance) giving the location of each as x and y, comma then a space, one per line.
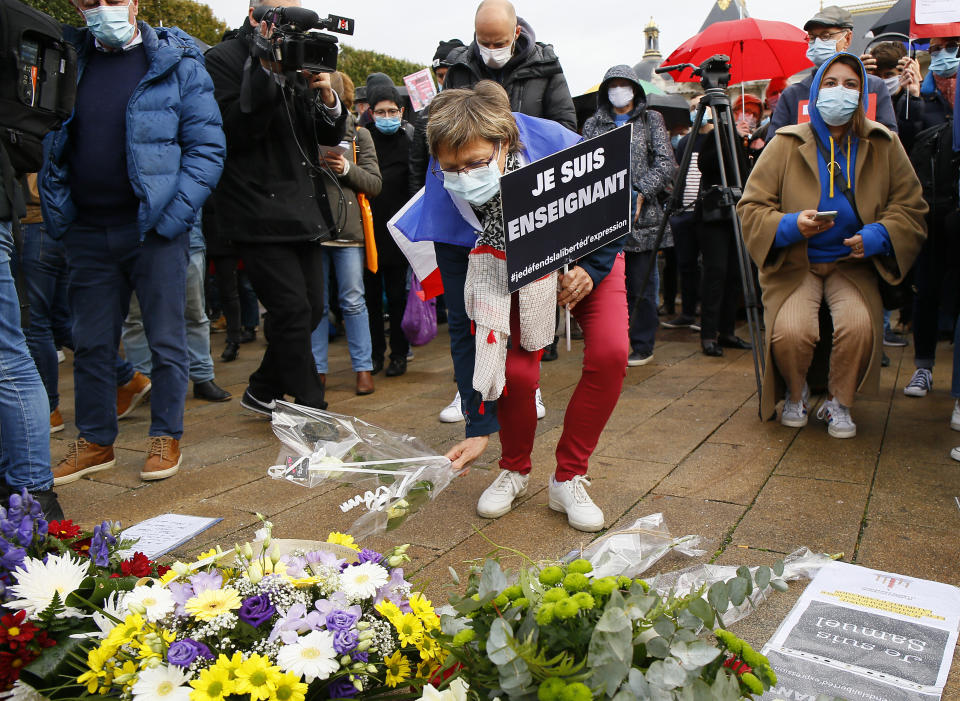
443, 50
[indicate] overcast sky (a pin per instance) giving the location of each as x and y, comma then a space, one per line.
589, 37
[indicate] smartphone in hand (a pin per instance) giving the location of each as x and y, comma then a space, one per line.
825, 216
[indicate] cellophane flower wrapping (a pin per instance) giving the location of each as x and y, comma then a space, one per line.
395, 474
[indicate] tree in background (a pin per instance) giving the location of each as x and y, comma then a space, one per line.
359, 63
195, 18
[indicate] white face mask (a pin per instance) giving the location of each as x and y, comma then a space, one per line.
620, 97
893, 84
496, 58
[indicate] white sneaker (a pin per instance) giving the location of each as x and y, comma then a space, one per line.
542, 409
497, 499
60, 356
452, 413
955, 454
794, 414
837, 416
955, 418
571, 498
919, 384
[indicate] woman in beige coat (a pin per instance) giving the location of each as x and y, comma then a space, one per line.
805, 258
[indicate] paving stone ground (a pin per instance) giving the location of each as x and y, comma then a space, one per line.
684, 440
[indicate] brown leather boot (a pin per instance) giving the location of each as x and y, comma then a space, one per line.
131, 394
82, 458
56, 421
364, 382
163, 458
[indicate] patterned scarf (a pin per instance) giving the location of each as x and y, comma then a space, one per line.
947, 87
487, 300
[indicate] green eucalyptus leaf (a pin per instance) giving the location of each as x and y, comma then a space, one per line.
664, 627
701, 609
492, 580
451, 625
626, 694
726, 687
763, 577
666, 674
468, 605
610, 653
738, 590
701, 691
638, 684
694, 655
744, 571
515, 677
778, 568
499, 649
719, 596
454, 576
779, 584
658, 647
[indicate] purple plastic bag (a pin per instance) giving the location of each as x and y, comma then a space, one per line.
420, 317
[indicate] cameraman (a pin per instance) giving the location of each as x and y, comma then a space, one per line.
271, 204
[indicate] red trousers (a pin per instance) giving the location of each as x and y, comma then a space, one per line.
603, 317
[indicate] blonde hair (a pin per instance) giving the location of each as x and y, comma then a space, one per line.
460, 116
344, 87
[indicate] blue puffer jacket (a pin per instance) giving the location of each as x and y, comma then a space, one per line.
175, 143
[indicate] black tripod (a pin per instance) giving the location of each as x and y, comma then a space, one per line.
714, 76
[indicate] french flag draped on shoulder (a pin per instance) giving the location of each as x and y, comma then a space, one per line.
433, 215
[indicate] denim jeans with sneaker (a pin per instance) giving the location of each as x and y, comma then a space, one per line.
135, 344
643, 326
45, 279
106, 265
24, 410
348, 261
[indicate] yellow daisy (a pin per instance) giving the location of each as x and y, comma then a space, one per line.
409, 629
211, 603
290, 688
125, 632
428, 647
213, 684
97, 670
420, 605
390, 611
343, 539
397, 668
257, 677
229, 665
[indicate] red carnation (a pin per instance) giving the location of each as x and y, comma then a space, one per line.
11, 663
162, 570
137, 566
63, 530
738, 666
81, 547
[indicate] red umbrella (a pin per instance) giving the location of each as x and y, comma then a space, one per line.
758, 49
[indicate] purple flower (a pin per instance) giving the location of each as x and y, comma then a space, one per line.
322, 557
295, 565
182, 592
389, 590
341, 688
366, 555
202, 581
100, 544
256, 610
345, 640
341, 620
360, 657
183, 652
290, 625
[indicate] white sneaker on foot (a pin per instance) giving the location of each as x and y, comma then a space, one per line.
452, 413
919, 384
955, 454
955, 418
571, 498
837, 416
794, 414
497, 499
542, 409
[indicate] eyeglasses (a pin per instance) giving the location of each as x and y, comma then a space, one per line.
90, 4
476, 165
387, 113
826, 36
950, 47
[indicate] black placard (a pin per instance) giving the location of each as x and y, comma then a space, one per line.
562, 207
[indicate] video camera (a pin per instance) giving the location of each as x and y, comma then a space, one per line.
293, 44
713, 73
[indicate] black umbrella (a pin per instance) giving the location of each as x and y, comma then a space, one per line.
674, 108
896, 19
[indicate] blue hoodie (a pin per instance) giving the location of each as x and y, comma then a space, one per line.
828, 246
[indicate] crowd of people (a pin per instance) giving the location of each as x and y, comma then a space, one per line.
187, 187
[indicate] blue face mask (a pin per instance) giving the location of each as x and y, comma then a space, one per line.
943, 63
387, 125
476, 186
110, 25
837, 105
819, 51
675, 140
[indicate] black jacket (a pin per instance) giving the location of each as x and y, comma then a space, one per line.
267, 193
533, 78
393, 154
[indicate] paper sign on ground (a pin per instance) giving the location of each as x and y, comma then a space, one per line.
420, 88
564, 206
857, 633
161, 534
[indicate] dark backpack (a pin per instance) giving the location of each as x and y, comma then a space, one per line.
38, 82
935, 163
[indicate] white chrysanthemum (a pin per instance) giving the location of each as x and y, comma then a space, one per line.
23, 692
362, 581
37, 581
162, 683
457, 691
311, 657
157, 602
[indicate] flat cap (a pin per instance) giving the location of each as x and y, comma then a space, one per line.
831, 16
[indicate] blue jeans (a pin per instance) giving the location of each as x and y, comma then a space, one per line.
106, 264
45, 279
24, 411
349, 262
643, 326
135, 345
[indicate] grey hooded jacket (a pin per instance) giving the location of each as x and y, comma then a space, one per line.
651, 156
